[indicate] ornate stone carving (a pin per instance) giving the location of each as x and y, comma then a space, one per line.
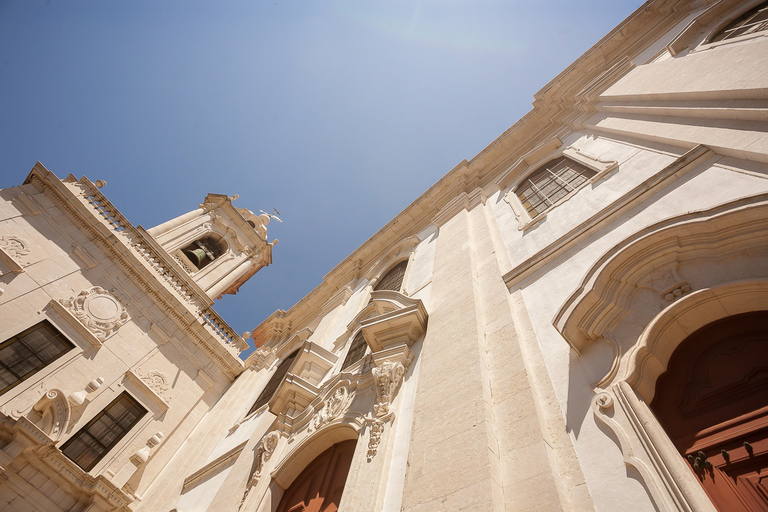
667, 282
377, 429
604, 401
16, 247
99, 310
157, 382
331, 408
387, 378
263, 453
51, 413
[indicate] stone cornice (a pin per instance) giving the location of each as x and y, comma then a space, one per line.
107, 226
556, 112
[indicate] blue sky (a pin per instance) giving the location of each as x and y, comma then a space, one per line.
338, 113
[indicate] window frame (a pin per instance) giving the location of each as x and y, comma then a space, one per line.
59, 335
273, 380
102, 412
354, 339
737, 18
601, 168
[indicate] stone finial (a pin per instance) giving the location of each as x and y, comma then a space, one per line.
78, 398
142, 456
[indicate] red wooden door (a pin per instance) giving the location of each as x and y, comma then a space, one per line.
713, 403
318, 488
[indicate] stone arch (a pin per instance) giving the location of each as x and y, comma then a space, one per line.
294, 462
645, 296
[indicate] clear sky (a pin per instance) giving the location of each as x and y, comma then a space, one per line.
339, 113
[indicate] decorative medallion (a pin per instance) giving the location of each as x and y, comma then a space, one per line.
15, 247
99, 310
331, 408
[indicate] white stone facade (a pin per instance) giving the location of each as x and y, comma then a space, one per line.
511, 370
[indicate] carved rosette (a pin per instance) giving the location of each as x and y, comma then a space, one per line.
387, 378
99, 310
332, 408
376, 429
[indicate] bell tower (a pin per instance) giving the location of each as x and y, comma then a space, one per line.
219, 245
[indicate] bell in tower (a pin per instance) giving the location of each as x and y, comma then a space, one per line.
218, 245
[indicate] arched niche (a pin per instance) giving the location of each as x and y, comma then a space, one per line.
645, 296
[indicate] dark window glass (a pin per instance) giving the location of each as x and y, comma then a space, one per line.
550, 183
393, 280
754, 20
356, 350
274, 382
25, 354
102, 433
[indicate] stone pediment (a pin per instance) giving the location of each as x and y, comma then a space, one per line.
395, 326
302, 383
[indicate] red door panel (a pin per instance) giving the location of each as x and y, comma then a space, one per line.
319, 487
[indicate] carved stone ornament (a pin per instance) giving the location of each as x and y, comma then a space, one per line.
16, 247
387, 378
377, 429
157, 382
666, 281
53, 413
99, 310
331, 408
264, 452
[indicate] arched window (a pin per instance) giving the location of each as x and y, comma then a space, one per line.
550, 183
754, 20
202, 252
273, 383
393, 280
356, 350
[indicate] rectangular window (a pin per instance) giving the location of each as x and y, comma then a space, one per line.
102, 433
27, 353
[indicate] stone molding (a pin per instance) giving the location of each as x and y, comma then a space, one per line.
688, 162
212, 467
558, 107
147, 389
650, 259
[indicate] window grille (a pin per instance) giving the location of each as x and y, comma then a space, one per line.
102, 433
754, 20
27, 353
356, 350
550, 183
393, 280
273, 383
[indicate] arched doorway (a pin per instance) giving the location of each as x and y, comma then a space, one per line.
713, 403
319, 487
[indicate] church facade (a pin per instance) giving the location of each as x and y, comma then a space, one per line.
573, 320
